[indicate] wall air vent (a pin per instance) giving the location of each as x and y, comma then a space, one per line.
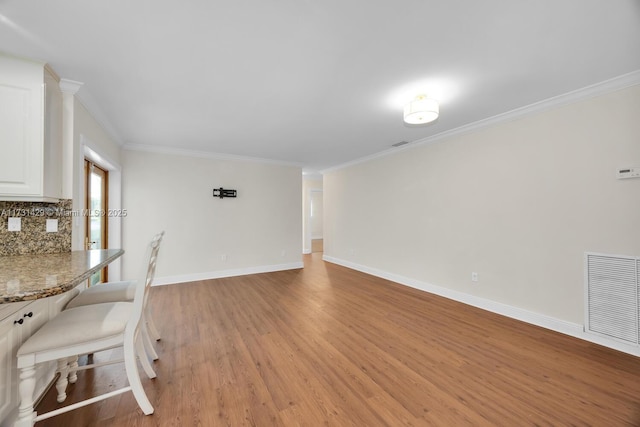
400, 144
611, 296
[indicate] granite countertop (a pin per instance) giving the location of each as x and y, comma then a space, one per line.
30, 277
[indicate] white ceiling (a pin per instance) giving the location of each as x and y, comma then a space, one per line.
316, 82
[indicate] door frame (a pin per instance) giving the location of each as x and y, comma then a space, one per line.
93, 152
91, 168
105, 196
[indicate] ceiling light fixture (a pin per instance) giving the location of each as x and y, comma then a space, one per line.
421, 110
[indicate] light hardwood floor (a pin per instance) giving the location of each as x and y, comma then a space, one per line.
317, 245
330, 346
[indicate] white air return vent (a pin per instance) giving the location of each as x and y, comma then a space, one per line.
399, 144
611, 296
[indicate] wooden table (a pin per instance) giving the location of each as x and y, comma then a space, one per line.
30, 277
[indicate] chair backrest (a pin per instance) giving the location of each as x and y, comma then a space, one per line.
151, 268
144, 283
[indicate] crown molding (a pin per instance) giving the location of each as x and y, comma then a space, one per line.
70, 86
602, 88
52, 72
204, 154
86, 100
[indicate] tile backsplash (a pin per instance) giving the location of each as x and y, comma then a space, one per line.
33, 237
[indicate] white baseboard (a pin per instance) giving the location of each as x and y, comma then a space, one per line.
568, 328
306, 251
183, 278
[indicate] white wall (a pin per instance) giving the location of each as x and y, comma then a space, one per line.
260, 230
519, 203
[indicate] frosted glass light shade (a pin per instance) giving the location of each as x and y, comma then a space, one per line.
421, 110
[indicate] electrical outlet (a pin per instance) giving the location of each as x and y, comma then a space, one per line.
14, 224
52, 226
474, 277
223, 257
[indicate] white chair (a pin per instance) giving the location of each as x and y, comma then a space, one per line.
114, 292
88, 329
122, 291
118, 292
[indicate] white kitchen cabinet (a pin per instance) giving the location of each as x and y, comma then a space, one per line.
9, 342
35, 315
25, 319
30, 131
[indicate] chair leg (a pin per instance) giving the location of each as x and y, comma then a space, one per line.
153, 331
131, 366
26, 414
73, 369
63, 381
144, 360
148, 345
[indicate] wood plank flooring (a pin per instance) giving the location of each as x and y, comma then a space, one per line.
331, 346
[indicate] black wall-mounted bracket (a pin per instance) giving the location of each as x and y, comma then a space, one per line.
222, 193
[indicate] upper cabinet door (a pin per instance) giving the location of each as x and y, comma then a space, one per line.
30, 131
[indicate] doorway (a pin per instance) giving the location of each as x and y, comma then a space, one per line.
96, 208
315, 221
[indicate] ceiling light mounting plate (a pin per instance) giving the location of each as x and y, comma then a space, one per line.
421, 110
